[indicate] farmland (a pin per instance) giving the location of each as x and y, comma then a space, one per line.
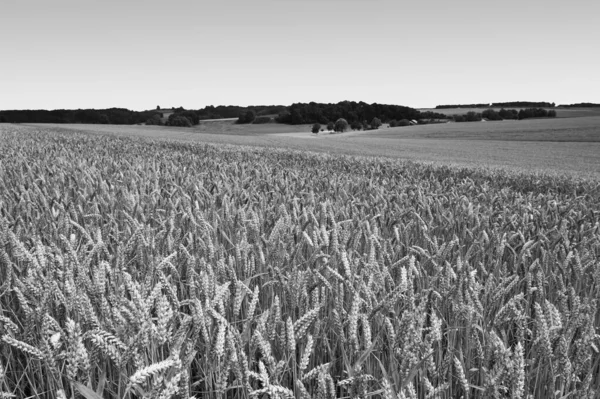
558, 146
561, 112
150, 263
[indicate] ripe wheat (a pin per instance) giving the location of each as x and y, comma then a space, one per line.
134, 268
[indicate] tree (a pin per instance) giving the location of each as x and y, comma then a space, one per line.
356, 125
341, 125
552, 114
508, 113
284, 117
191, 115
330, 126
247, 117
262, 119
473, 116
154, 120
158, 107
181, 121
297, 118
375, 123
526, 113
316, 128
491, 115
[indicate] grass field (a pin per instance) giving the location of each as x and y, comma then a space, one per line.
167, 263
581, 129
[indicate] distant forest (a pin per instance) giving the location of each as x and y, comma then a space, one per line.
114, 116
306, 113
303, 113
580, 105
355, 113
295, 114
519, 104
234, 111
493, 115
122, 116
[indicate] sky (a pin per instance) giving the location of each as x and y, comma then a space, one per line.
140, 54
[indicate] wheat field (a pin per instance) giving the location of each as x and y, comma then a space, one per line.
558, 148
134, 268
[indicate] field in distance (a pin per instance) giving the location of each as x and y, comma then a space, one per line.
560, 112
554, 145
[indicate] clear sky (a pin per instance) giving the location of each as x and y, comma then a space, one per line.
140, 54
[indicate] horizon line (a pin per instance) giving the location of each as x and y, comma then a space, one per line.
289, 105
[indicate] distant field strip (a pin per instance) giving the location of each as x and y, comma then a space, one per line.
560, 112
419, 143
584, 129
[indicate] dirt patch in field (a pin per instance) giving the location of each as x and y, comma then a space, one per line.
309, 135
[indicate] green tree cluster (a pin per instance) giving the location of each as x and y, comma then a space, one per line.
341, 125
303, 113
247, 117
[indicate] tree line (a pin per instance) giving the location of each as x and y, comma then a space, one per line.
122, 116
234, 111
518, 104
115, 116
493, 115
580, 105
359, 115
351, 111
